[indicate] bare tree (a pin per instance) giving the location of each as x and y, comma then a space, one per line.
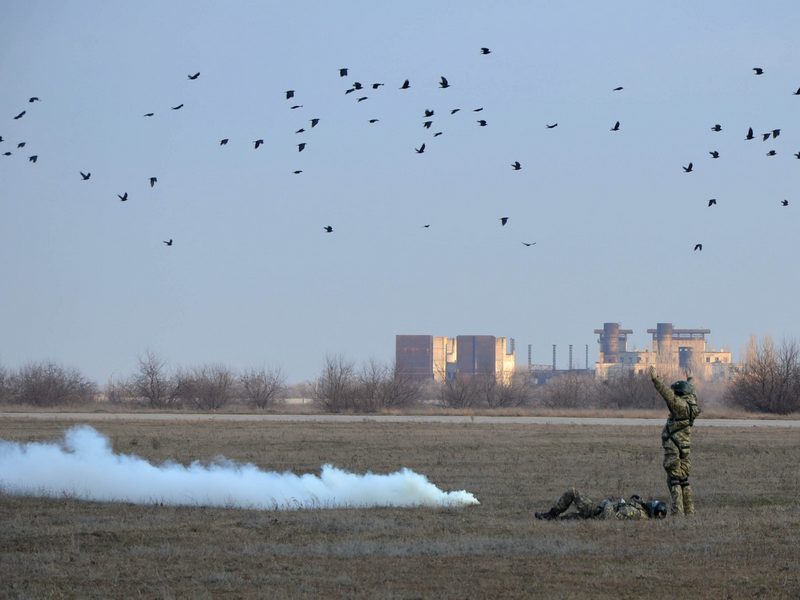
501, 394
49, 384
379, 387
572, 389
627, 389
152, 383
5, 381
461, 391
209, 387
401, 389
334, 389
262, 387
769, 378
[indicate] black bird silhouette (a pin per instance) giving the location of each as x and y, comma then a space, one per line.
749, 135
615, 127
258, 143
6, 153
298, 171
454, 110
124, 196
349, 91
428, 112
617, 89
553, 126
421, 149
797, 155
758, 70
688, 169
775, 133
528, 243
797, 93
503, 221
482, 123
375, 86
177, 107
443, 83
168, 242
516, 166
328, 228
374, 120
427, 124
698, 247
33, 99
20, 115
765, 136
301, 146
301, 130
289, 94
296, 106
771, 153
437, 134
357, 85
314, 122
21, 145
343, 72
1, 138
85, 176
714, 154
153, 181
195, 76
717, 127
362, 98
712, 202
426, 226
33, 158
784, 203
406, 85
223, 141
148, 114
485, 51
477, 109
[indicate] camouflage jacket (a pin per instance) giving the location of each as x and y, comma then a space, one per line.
621, 509
682, 412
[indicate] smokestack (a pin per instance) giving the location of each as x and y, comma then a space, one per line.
530, 356
570, 357
554, 357
587, 357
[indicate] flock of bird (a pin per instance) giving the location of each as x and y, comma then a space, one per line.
428, 122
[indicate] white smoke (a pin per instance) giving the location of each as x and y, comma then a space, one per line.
83, 466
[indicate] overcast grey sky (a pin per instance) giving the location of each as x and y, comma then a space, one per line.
253, 279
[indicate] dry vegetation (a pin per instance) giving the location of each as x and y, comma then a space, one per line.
742, 544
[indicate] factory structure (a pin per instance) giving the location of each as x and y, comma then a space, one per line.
673, 351
437, 358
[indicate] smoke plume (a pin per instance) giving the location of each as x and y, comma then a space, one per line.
84, 466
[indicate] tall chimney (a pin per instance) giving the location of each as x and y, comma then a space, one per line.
554, 357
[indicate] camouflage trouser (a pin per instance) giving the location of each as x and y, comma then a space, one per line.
585, 506
678, 464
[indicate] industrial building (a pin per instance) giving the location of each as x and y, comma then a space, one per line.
673, 351
435, 358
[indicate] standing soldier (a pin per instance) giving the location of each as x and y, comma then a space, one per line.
676, 440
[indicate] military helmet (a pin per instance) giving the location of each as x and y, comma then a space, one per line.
682, 388
656, 509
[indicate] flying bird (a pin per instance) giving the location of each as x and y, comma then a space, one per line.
717, 127
437, 134
712, 201
758, 70
177, 107
485, 51
33, 158
375, 86
427, 124
357, 85
443, 83
405, 85
298, 171
223, 141
421, 149
528, 243
301, 146
33, 99
148, 114
617, 89
797, 93
124, 197
289, 94
374, 120
426, 226
343, 72
349, 91
296, 106
775, 133
698, 247
784, 203
6, 153
765, 136
771, 153
503, 221
688, 169
328, 228
750, 135
21, 145
615, 127
301, 130
195, 76
477, 109
516, 166
258, 143
362, 98
153, 181
454, 110
85, 176
553, 126
482, 123
314, 122
168, 242
797, 155
714, 154
20, 115
428, 112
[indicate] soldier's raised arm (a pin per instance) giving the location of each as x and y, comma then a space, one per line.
666, 393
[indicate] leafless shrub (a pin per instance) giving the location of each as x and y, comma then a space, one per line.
573, 389
769, 378
401, 389
461, 391
5, 385
49, 384
261, 387
208, 387
503, 394
626, 390
151, 383
334, 389
378, 387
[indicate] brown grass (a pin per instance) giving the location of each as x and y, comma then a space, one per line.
742, 544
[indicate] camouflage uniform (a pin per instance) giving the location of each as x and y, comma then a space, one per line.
676, 441
587, 508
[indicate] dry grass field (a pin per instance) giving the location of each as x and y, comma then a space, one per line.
742, 544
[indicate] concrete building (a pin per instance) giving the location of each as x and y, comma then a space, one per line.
672, 352
435, 358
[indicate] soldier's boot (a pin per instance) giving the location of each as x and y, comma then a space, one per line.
546, 516
688, 499
676, 493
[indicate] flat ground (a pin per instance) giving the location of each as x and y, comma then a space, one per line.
742, 543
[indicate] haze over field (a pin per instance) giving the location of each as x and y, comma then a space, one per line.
252, 278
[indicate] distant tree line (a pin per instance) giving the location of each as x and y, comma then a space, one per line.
768, 380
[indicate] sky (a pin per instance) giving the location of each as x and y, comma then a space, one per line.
252, 278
